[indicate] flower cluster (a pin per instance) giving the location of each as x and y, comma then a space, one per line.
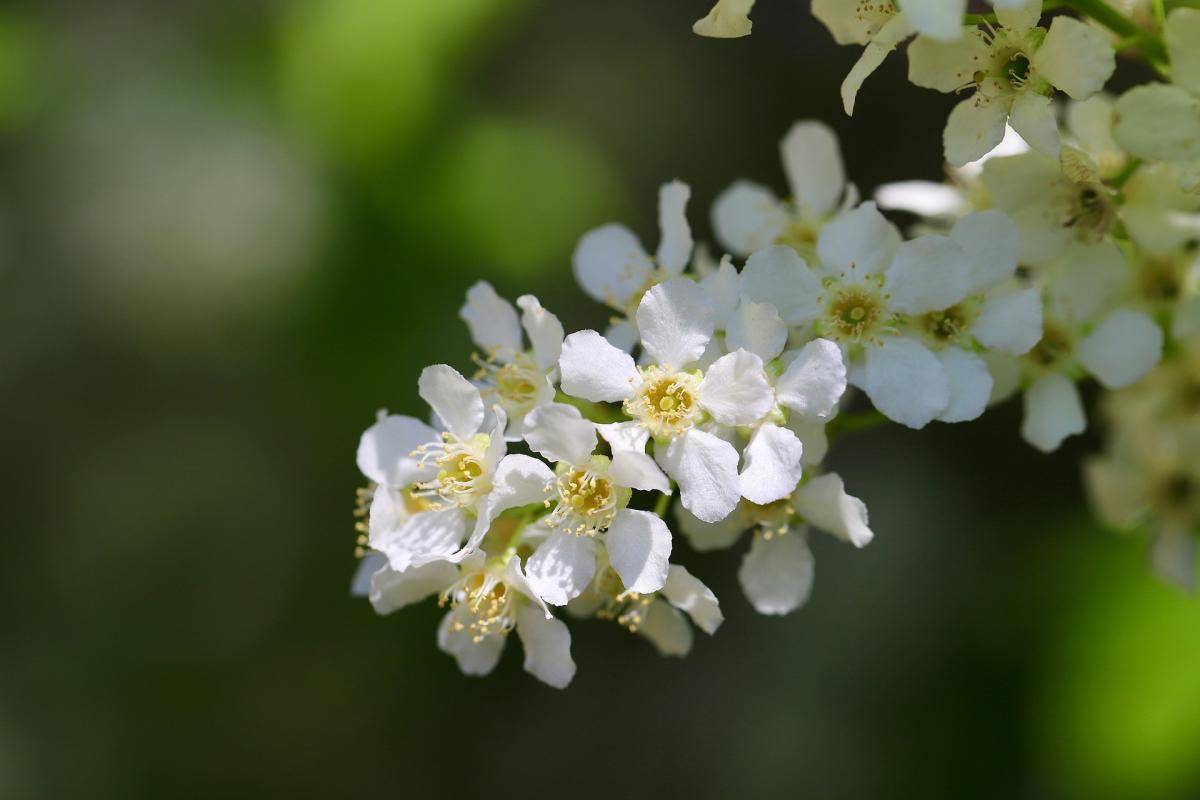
552, 477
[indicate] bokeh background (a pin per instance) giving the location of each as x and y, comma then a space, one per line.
230, 230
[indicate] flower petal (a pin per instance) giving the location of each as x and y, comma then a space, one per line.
777, 573
923, 198
1010, 322
368, 565
676, 319
758, 329
970, 384
675, 248
1122, 348
687, 593
547, 644
893, 32
772, 465
475, 658
906, 382
705, 536
823, 502
1052, 412
1158, 121
593, 369
814, 381
562, 567
453, 398
414, 538
734, 390
992, 244
1075, 57
639, 547
637, 470
973, 128
779, 276
392, 590
945, 66
928, 273
667, 629
385, 451
705, 467
728, 19
558, 432
861, 242
611, 265
812, 162
747, 217
544, 330
1182, 35
492, 321
940, 19
722, 287
1032, 116
520, 480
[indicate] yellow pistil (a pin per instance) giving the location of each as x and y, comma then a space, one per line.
666, 402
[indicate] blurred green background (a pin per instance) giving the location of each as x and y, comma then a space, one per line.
230, 230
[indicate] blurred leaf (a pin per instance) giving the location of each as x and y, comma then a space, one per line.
21, 66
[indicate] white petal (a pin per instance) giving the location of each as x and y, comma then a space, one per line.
453, 398
814, 381
667, 629
973, 128
923, 198
637, 470
558, 432
777, 573
1122, 348
945, 66
593, 369
1032, 116
392, 590
385, 451
520, 480
893, 31
812, 435
1087, 278
1158, 121
757, 328
1173, 558
823, 502
1075, 57
728, 19
545, 331
705, 467
547, 644
777, 275
735, 389
688, 593
625, 436
675, 248
611, 265
722, 287
992, 243
772, 465
639, 547
1010, 322
368, 565
927, 274
474, 658
676, 319
492, 320
562, 567
1116, 489
941, 19
622, 334
747, 217
705, 536
1182, 34
906, 382
812, 162
418, 537
970, 384
1018, 15
861, 240
1052, 412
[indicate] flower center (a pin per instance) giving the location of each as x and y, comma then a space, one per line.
946, 326
665, 403
587, 501
1089, 212
515, 385
854, 313
800, 235
1053, 349
482, 604
461, 476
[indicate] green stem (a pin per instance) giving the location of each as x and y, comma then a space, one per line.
1150, 44
1126, 173
858, 421
664, 500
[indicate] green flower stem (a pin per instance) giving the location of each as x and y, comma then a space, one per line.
858, 421
664, 500
1126, 173
1151, 44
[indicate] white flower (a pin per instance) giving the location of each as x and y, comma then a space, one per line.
488, 598
748, 216
668, 398
516, 379
1014, 70
728, 19
777, 570
612, 266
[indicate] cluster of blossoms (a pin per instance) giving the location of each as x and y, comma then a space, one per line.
553, 477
